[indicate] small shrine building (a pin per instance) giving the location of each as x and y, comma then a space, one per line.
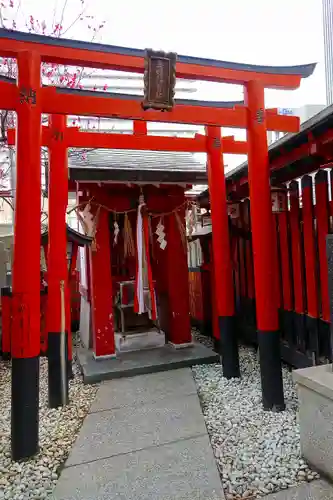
134, 278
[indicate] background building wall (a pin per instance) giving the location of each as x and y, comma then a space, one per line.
304, 112
328, 48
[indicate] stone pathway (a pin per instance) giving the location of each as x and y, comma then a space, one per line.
144, 439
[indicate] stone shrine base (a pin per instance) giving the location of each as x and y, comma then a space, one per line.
315, 393
130, 364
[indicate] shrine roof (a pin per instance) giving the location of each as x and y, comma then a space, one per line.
136, 166
72, 236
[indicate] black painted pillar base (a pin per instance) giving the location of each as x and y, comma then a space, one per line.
70, 373
300, 330
271, 371
216, 345
25, 405
229, 346
54, 370
311, 325
287, 325
208, 329
5, 356
324, 339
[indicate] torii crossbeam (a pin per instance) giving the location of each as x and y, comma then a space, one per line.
65, 101
96, 55
74, 138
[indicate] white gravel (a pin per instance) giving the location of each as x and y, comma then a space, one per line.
257, 452
35, 478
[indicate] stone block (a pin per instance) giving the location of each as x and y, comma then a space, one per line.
142, 389
315, 393
137, 341
185, 470
128, 429
130, 364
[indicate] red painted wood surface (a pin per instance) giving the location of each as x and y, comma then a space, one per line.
57, 241
43, 323
242, 255
64, 103
196, 295
261, 209
178, 287
73, 137
310, 248
220, 225
26, 258
276, 265
101, 290
79, 104
285, 261
250, 291
214, 317
6, 330
206, 288
111, 59
322, 216
236, 264
75, 298
296, 249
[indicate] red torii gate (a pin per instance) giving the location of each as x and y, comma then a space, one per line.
58, 137
30, 99
58, 132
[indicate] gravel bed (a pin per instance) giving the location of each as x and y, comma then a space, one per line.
35, 478
203, 339
257, 452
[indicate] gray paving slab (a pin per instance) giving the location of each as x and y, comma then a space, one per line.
185, 470
127, 429
129, 364
142, 389
316, 490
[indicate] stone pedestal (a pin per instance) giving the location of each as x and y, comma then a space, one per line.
315, 393
138, 341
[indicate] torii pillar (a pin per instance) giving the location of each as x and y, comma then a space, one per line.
26, 263
223, 282
57, 262
263, 251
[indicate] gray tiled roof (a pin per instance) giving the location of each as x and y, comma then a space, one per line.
125, 159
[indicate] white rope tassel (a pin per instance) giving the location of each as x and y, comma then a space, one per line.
161, 235
115, 233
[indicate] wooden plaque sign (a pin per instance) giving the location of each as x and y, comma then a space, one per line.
159, 80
